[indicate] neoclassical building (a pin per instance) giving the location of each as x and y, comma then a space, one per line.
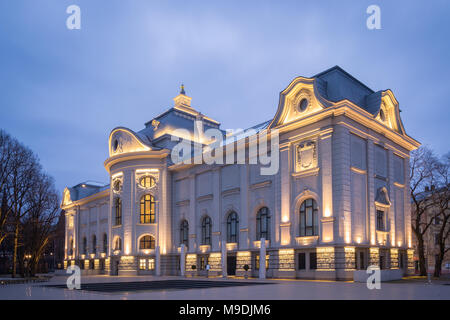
338, 202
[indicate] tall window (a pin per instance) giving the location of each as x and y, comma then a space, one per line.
71, 246
309, 218
105, 242
147, 242
94, 244
380, 220
84, 245
206, 230
118, 212
262, 223
148, 209
118, 244
232, 227
184, 233
312, 260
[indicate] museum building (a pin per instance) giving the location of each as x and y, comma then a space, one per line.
338, 202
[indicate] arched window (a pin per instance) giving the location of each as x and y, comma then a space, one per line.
184, 233
84, 245
147, 182
148, 209
118, 244
147, 242
262, 223
105, 243
309, 223
118, 211
232, 227
94, 244
206, 231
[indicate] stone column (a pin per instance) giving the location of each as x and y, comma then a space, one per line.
157, 261
224, 259
244, 214
328, 219
192, 215
283, 225
182, 260
262, 259
216, 215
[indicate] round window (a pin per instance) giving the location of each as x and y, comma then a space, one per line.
303, 104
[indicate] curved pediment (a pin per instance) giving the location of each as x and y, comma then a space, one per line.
389, 112
301, 98
123, 140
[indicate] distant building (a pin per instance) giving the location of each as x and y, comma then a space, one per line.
338, 202
430, 239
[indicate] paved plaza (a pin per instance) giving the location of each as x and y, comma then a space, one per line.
176, 288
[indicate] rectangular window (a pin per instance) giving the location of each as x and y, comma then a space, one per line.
151, 264
313, 260
203, 262
380, 220
301, 261
436, 239
142, 264
361, 261
382, 262
401, 260
257, 262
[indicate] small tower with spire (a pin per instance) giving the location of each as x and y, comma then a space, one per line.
182, 100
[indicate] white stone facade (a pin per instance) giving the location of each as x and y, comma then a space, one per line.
339, 201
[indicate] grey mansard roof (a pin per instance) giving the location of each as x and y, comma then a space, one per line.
331, 86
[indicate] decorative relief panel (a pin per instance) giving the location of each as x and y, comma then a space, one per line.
117, 185
306, 155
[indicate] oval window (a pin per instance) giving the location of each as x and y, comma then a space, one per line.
147, 182
382, 115
115, 145
117, 185
303, 104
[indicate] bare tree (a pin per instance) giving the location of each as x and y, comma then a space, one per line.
422, 164
5, 173
39, 223
440, 197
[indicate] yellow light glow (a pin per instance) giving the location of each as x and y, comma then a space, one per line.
349, 249
243, 254
146, 170
358, 240
118, 174
286, 251
327, 213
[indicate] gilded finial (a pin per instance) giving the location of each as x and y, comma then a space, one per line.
182, 89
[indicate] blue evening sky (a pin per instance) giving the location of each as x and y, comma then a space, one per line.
62, 91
